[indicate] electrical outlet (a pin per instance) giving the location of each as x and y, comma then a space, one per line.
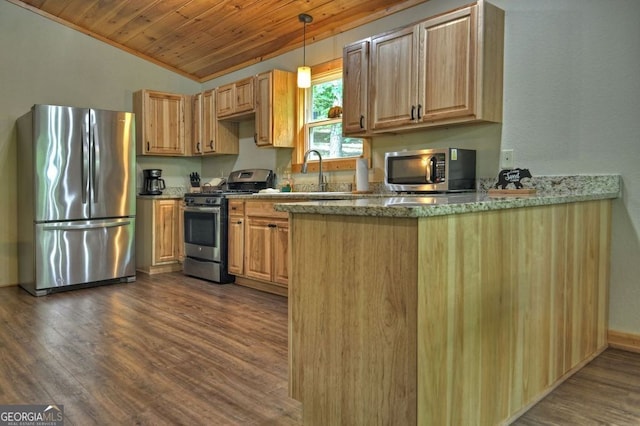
506, 159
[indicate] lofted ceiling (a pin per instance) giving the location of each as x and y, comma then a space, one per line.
203, 39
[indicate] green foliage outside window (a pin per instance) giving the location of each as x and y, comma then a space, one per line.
325, 135
324, 96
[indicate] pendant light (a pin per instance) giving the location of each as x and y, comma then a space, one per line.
304, 72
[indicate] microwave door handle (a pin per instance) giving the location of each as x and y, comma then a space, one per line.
431, 169
434, 169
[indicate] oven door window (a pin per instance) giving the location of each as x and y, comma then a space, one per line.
200, 228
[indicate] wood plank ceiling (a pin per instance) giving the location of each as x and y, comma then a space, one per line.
203, 39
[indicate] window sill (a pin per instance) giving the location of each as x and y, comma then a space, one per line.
331, 165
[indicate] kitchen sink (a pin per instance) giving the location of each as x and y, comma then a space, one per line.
417, 201
309, 194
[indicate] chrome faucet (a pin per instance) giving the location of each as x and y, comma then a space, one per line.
321, 182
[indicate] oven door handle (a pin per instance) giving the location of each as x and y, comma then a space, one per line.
202, 209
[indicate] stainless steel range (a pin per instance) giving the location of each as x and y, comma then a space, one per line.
206, 222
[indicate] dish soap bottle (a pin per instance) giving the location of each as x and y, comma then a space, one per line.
287, 183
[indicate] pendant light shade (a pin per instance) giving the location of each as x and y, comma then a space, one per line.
304, 72
304, 77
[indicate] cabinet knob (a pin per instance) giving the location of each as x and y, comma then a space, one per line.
272, 225
211, 144
239, 222
255, 138
148, 146
198, 147
419, 111
362, 121
413, 112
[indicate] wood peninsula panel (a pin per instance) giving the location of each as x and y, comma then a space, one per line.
352, 319
450, 320
511, 302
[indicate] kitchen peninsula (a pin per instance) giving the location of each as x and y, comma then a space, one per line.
461, 309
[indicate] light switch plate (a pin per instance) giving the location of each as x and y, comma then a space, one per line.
506, 159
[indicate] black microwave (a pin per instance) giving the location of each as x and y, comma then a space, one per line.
430, 170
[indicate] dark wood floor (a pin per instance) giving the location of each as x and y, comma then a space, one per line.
167, 350
173, 350
605, 392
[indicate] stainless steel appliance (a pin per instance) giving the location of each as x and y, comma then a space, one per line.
206, 217
430, 170
76, 208
153, 183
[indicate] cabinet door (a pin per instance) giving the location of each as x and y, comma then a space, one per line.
162, 123
394, 79
244, 95
197, 124
236, 245
264, 119
447, 65
275, 117
281, 252
258, 248
165, 230
224, 100
208, 122
355, 78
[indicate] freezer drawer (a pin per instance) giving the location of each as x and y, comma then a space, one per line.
70, 253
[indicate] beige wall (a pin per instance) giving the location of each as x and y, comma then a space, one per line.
571, 91
46, 63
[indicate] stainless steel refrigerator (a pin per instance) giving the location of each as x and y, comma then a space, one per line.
76, 197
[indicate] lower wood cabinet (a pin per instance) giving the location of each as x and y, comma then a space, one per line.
258, 245
235, 262
159, 242
266, 249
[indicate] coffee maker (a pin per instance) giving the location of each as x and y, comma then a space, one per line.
153, 183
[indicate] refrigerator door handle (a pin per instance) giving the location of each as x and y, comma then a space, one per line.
84, 153
84, 226
86, 157
94, 163
93, 129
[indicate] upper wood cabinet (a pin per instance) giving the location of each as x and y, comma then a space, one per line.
275, 109
236, 99
445, 70
393, 79
210, 135
355, 83
160, 122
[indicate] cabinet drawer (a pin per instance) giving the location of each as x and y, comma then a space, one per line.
264, 209
236, 207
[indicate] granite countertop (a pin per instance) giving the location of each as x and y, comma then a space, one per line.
168, 193
550, 190
310, 196
163, 196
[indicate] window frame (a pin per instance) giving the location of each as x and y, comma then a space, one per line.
329, 164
